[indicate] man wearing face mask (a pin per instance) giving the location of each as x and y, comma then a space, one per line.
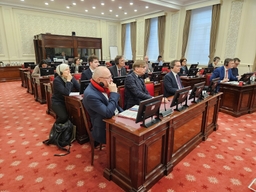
62, 86
101, 101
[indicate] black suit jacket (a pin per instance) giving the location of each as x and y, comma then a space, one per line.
135, 90
86, 74
114, 73
170, 84
234, 72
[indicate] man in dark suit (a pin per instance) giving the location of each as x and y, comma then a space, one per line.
235, 69
214, 63
101, 101
224, 72
118, 69
135, 89
172, 81
93, 64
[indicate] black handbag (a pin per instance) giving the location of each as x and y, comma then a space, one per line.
62, 135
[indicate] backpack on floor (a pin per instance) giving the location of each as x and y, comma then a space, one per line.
62, 135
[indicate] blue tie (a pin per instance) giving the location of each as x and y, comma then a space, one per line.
178, 81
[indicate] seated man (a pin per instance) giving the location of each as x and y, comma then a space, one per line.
118, 69
235, 69
135, 89
214, 63
93, 64
101, 101
172, 81
224, 72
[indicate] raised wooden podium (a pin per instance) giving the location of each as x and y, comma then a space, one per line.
138, 157
238, 100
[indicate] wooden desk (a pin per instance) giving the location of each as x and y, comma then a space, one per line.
40, 95
22, 77
138, 157
238, 100
48, 97
186, 81
30, 87
9, 73
75, 115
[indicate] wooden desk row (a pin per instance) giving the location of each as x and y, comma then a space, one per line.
138, 157
238, 100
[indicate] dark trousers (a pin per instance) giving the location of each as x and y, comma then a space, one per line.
61, 112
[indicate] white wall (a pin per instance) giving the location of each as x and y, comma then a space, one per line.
18, 27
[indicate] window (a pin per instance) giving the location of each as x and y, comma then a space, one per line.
199, 36
153, 49
128, 47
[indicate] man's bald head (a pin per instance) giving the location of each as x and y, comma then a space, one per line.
99, 72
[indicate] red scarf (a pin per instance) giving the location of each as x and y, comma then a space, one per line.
98, 87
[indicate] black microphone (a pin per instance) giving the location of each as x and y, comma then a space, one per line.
249, 68
166, 112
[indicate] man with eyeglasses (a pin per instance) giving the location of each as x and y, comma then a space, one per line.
101, 101
235, 67
135, 89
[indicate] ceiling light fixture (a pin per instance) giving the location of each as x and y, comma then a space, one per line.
146, 7
116, 15
110, 10
131, 3
135, 10
52, 0
120, 7
21, 0
68, 7
102, 3
86, 10
74, 3
125, 13
46, 3
82, 0
94, 7
102, 13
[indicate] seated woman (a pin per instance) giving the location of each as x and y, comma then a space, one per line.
184, 68
76, 64
63, 84
36, 71
160, 60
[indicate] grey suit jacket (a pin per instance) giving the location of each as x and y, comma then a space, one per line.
114, 73
135, 90
170, 85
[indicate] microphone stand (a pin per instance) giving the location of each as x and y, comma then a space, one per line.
166, 112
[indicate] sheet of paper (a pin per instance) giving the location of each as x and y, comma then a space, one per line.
74, 94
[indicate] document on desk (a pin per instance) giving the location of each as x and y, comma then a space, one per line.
74, 93
128, 114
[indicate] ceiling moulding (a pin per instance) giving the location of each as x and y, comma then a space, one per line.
128, 21
56, 12
203, 4
142, 15
163, 3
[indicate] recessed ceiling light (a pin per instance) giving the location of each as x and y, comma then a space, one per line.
94, 7
68, 7
135, 10
110, 10
102, 3
131, 3
120, 7
146, 7
116, 15
125, 13
102, 13
46, 3
82, 0
86, 10
52, 0
113, 0
21, 0
74, 3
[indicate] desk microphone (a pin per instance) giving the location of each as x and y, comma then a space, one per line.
166, 112
249, 68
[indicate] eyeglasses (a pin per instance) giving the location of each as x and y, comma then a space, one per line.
110, 77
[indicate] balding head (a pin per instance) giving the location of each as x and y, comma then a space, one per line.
102, 75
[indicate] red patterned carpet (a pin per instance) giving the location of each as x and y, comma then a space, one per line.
226, 162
